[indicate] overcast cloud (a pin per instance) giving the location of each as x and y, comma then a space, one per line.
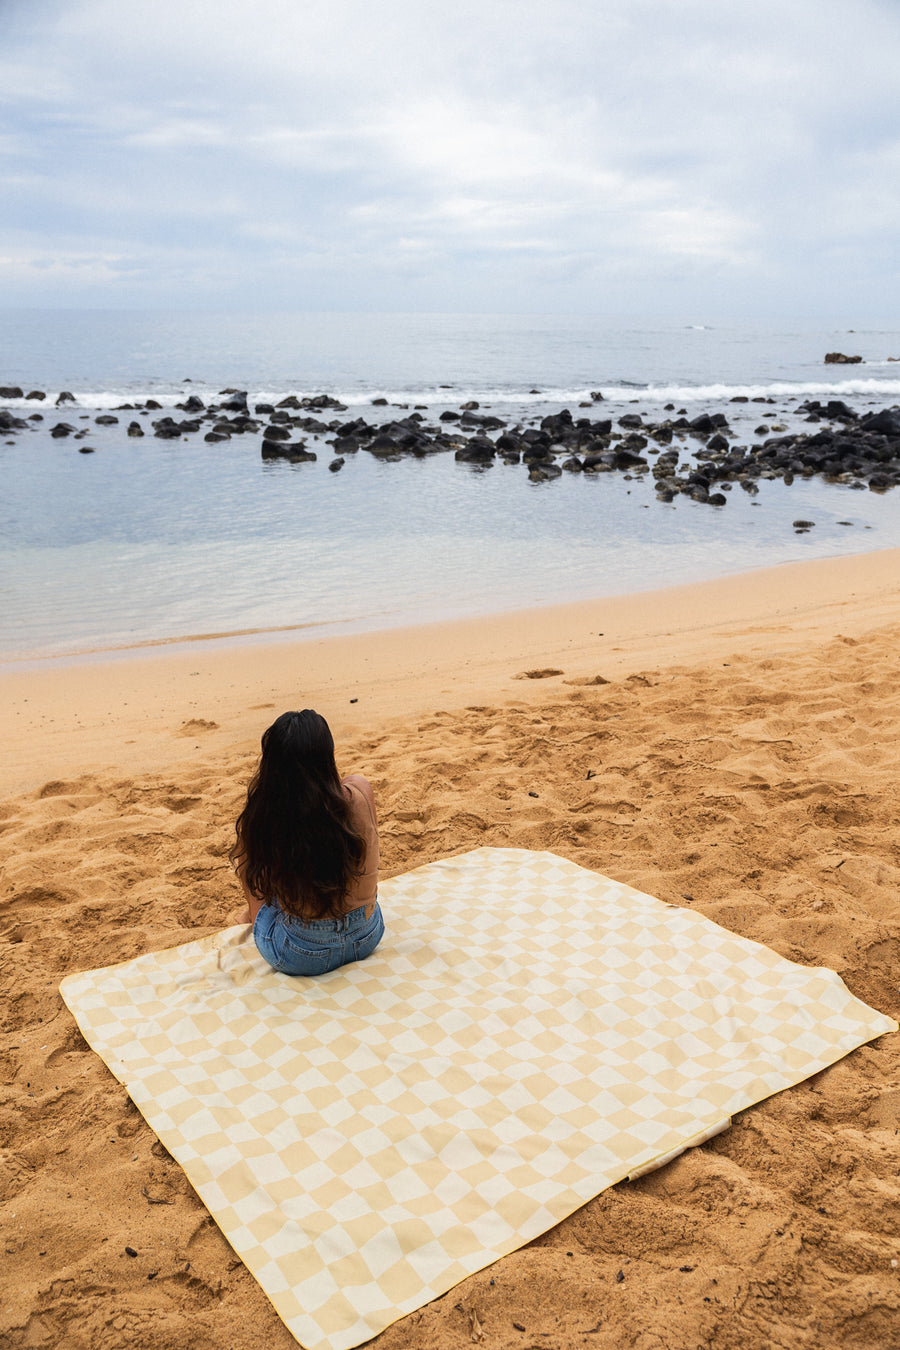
612, 156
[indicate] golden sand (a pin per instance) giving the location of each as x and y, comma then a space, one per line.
733, 747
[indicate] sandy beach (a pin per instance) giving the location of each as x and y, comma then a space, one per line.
731, 746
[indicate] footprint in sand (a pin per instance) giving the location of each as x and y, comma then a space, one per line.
196, 725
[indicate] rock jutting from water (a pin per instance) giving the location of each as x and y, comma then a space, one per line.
859, 451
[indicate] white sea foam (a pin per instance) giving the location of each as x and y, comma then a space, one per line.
488, 397
717, 393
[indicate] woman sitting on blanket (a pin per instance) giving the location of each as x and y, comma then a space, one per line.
307, 853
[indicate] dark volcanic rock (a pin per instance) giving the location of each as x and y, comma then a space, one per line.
488, 422
559, 425
11, 391
384, 447
61, 429
835, 409
283, 450
628, 459
839, 359
887, 422
536, 450
604, 462
478, 451
65, 397
166, 429
544, 473
36, 394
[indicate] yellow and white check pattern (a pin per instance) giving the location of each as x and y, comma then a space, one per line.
527, 1034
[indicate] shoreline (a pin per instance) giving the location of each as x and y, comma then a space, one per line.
629, 498
143, 708
301, 634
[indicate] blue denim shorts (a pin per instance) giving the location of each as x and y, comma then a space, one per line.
313, 946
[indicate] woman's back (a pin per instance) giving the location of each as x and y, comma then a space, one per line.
363, 889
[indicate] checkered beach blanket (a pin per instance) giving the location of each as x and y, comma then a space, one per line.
527, 1034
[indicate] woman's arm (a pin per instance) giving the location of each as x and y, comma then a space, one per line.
253, 906
356, 780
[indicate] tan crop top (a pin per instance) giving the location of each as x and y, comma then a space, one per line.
363, 889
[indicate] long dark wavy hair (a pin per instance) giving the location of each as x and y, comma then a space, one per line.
295, 844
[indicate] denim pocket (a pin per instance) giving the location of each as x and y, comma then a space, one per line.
299, 957
365, 945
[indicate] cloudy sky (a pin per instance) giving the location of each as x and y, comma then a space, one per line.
612, 156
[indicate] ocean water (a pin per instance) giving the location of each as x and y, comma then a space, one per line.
149, 541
